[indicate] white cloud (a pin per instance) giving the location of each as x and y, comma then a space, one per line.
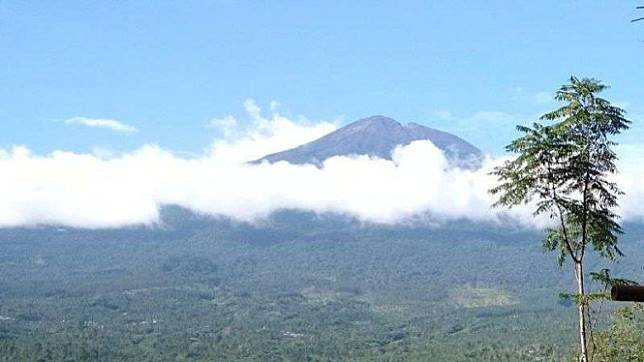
87, 191
265, 135
538, 98
226, 124
252, 109
102, 123
544, 97
110, 190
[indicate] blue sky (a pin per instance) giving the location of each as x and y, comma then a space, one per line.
167, 68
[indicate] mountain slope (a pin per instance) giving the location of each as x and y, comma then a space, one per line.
377, 136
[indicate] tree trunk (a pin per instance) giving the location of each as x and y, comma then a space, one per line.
579, 274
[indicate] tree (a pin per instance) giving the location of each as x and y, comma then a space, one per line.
563, 169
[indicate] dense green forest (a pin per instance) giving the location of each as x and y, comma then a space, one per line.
295, 287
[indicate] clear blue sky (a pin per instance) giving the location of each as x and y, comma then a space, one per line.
472, 67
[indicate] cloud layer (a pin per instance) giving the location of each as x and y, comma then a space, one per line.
87, 190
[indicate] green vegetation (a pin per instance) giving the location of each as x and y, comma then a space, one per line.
565, 168
296, 287
624, 340
473, 297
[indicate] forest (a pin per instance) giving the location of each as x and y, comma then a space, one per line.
297, 286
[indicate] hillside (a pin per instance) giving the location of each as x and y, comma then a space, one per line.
297, 284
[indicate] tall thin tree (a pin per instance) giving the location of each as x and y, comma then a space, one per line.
563, 169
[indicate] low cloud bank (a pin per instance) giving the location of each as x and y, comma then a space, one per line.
86, 190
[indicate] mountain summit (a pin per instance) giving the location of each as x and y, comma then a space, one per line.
377, 136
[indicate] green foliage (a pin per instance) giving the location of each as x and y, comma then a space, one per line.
563, 167
624, 340
603, 277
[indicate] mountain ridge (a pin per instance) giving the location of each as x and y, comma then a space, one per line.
377, 136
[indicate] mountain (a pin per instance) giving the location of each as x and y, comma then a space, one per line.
377, 136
